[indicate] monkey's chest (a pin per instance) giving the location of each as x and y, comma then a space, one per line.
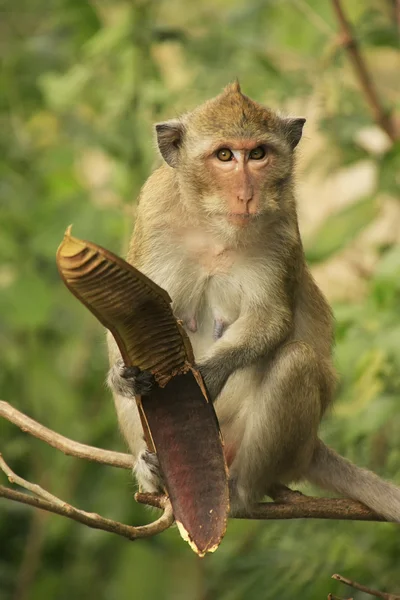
206, 291
208, 311
216, 262
210, 256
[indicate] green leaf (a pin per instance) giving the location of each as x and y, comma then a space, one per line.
389, 173
62, 91
383, 35
386, 282
340, 229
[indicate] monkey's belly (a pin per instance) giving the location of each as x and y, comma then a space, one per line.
237, 403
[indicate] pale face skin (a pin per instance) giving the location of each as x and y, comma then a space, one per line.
238, 167
236, 180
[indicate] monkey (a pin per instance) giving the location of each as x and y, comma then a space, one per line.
217, 228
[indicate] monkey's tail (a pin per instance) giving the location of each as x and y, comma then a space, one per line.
331, 471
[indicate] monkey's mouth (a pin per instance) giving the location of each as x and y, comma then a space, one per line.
241, 219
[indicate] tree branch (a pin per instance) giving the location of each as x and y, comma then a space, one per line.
293, 505
32, 487
348, 40
311, 508
288, 504
51, 503
67, 446
365, 589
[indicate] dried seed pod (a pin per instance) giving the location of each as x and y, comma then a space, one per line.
178, 420
129, 304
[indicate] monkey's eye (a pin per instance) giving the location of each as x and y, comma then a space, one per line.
257, 153
224, 154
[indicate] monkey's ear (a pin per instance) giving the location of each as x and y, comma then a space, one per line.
169, 140
294, 129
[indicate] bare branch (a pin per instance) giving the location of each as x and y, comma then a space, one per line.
293, 505
311, 508
288, 504
32, 487
313, 17
348, 40
154, 500
92, 519
365, 589
67, 446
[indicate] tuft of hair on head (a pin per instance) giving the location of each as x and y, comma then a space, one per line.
233, 87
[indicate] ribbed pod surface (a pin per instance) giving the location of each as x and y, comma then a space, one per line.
179, 422
130, 305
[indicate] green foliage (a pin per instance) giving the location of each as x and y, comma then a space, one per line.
80, 86
341, 229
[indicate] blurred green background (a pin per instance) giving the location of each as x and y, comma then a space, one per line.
81, 84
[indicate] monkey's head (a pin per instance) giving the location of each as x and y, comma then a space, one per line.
233, 157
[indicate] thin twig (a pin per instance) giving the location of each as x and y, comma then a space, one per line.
92, 519
67, 446
365, 589
314, 17
332, 597
154, 500
381, 116
31, 487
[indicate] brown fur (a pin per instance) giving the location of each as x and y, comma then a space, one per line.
260, 327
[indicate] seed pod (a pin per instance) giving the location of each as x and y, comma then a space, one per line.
178, 420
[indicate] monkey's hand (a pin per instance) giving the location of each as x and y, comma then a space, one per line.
254, 335
214, 375
129, 381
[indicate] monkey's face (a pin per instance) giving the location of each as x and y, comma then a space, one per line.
233, 158
238, 169
238, 179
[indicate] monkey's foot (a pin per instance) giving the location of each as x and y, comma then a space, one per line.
147, 472
130, 381
242, 497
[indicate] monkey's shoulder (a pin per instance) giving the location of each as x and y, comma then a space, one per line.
158, 189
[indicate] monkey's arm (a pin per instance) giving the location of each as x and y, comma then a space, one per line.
257, 332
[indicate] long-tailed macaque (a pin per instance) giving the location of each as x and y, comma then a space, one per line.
217, 228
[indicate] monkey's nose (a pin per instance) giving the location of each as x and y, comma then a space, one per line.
245, 198
245, 192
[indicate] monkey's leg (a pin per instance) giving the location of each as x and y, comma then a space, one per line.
126, 382
281, 423
147, 472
